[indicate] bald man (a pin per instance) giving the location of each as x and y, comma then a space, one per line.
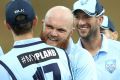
57, 31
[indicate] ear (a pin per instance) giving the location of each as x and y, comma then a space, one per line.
35, 21
72, 31
115, 35
100, 19
43, 23
7, 25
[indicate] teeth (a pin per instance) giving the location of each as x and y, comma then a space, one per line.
52, 39
83, 27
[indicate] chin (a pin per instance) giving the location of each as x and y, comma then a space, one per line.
59, 44
51, 43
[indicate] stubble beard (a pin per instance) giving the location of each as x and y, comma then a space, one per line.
91, 35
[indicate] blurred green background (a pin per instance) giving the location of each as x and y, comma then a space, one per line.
41, 7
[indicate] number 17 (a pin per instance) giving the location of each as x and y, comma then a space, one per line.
39, 74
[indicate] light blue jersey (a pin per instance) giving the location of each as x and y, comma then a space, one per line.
70, 46
82, 63
107, 59
1, 51
34, 60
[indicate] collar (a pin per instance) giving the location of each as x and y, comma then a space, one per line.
27, 42
104, 46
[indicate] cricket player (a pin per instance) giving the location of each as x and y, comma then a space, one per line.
57, 31
106, 52
30, 58
108, 28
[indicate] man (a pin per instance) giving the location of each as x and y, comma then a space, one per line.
106, 52
30, 58
108, 28
57, 31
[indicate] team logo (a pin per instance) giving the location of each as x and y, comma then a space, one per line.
110, 65
82, 2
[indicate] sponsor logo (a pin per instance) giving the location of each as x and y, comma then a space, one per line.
19, 11
38, 56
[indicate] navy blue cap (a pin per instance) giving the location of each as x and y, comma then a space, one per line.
107, 24
111, 26
19, 7
90, 7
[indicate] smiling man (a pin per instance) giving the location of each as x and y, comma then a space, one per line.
58, 27
106, 52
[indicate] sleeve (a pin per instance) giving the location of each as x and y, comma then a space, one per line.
4, 74
83, 66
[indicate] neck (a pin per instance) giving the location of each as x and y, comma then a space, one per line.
92, 45
23, 37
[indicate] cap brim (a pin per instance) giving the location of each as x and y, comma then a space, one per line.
104, 27
91, 8
87, 12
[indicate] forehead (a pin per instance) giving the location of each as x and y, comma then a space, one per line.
58, 22
79, 14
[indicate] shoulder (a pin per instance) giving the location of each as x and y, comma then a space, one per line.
82, 64
3, 57
4, 73
113, 44
81, 56
80, 52
56, 49
114, 41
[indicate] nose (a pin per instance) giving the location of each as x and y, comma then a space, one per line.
54, 32
81, 21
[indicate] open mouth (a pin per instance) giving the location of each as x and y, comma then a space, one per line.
53, 39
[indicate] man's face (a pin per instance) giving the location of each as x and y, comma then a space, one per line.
106, 32
109, 34
86, 26
56, 32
